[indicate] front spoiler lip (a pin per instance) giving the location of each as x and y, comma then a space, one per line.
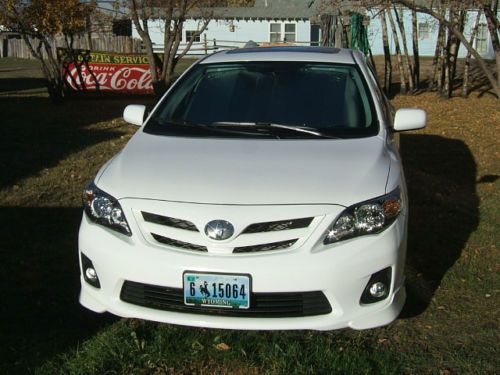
387, 312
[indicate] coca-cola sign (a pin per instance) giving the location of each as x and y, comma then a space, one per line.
110, 72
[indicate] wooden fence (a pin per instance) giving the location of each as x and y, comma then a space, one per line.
123, 44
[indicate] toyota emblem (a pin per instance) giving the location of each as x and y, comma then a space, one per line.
219, 230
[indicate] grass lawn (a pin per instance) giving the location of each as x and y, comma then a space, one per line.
450, 324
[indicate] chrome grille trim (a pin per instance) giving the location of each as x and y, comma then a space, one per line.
178, 244
281, 245
169, 221
273, 226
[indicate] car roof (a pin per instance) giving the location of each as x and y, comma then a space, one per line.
284, 53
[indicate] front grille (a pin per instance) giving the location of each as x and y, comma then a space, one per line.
265, 247
169, 221
273, 226
265, 305
178, 244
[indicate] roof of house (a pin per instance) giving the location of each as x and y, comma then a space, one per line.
273, 9
261, 10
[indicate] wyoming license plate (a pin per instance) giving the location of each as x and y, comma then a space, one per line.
217, 290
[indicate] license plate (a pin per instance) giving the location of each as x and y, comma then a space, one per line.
217, 290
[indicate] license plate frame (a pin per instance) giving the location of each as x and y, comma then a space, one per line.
243, 283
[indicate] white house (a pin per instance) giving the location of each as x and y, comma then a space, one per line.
267, 22
298, 22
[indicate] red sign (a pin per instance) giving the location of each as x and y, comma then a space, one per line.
111, 72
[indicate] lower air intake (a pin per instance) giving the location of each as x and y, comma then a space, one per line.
263, 305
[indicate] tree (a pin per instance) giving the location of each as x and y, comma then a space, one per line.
465, 85
174, 13
416, 54
406, 57
38, 22
490, 9
387, 53
402, 76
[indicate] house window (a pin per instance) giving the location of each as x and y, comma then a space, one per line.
282, 33
482, 38
424, 30
122, 27
275, 34
192, 33
289, 32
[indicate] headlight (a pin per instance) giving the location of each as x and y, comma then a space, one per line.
103, 209
368, 217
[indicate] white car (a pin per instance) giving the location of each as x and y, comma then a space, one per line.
264, 191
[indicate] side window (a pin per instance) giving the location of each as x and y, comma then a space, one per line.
289, 32
424, 30
275, 33
482, 38
282, 32
192, 33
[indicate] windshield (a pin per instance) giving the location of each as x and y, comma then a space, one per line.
268, 99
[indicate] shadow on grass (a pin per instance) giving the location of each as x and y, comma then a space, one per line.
40, 315
37, 134
18, 84
444, 211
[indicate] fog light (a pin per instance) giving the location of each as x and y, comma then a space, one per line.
89, 272
378, 287
377, 290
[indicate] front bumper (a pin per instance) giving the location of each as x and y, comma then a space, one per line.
341, 271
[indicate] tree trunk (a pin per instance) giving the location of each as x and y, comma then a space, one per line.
143, 31
459, 20
465, 86
403, 89
493, 27
51, 73
328, 28
406, 58
446, 88
71, 57
436, 61
416, 54
442, 62
174, 16
89, 33
387, 54
445, 92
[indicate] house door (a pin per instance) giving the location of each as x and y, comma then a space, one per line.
314, 37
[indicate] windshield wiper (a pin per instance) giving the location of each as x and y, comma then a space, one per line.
196, 125
270, 125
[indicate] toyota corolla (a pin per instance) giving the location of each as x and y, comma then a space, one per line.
264, 191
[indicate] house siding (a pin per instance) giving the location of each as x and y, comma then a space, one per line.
244, 30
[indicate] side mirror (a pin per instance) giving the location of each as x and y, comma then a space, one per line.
409, 119
134, 114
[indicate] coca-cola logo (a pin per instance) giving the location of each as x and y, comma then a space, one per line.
110, 77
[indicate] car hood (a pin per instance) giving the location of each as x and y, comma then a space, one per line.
248, 171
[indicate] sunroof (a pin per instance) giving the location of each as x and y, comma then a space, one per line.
285, 49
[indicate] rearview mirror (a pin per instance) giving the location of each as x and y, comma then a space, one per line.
134, 114
409, 119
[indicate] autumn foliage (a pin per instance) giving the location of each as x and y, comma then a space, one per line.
38, 22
